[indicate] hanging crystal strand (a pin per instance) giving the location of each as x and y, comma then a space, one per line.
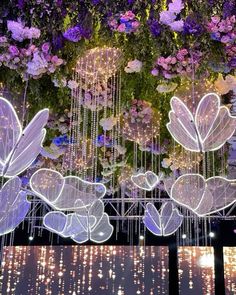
85, 123
95, 94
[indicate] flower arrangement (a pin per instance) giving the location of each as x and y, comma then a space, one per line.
169, 17
96, 97
182, 63
124, 22
222, 30
28, 59
76, 33
140, 122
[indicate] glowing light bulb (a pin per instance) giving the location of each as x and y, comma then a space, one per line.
212, 235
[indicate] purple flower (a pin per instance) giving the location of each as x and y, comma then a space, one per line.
232, 63
57, 41
155, 27
229, 8
76, 33
191, 26
13, 50
21, 4
45, 47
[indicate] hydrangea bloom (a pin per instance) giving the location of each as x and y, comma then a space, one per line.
179, 64
20, 32
169, 17
124, 23
75, 34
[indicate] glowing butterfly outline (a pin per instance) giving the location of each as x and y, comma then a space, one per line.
204, 196
9, 153
149, 185
87, 224
155, 221
9, 220
198, 142
59, 193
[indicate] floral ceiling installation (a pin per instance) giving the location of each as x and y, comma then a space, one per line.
138, 99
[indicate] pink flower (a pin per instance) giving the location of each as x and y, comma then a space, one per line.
45, 47
33, 48
56, 60
31, 33
225, 39
135, 24
121, 28
215, 19
3, 39
113, 23
129, 15
173, 60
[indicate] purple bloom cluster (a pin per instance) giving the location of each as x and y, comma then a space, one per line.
229, 8
96, 99
124, 23
223, 30
30, 60
179, 64
104, 141
140, 111
75, 34
155, 27
192, 26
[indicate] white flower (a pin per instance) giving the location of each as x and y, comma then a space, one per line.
223, 86
166, 163
59, 83
134, 66
108, 123
72, 84
37, 66
120, 149
166, 87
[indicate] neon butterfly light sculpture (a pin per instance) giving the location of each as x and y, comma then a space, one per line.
164, 223
65, 193
203, 196
14, 205
206, 130
19, 148
81, 226
146, 181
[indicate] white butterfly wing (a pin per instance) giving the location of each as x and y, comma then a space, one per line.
10, 131
29, 145
152, 219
